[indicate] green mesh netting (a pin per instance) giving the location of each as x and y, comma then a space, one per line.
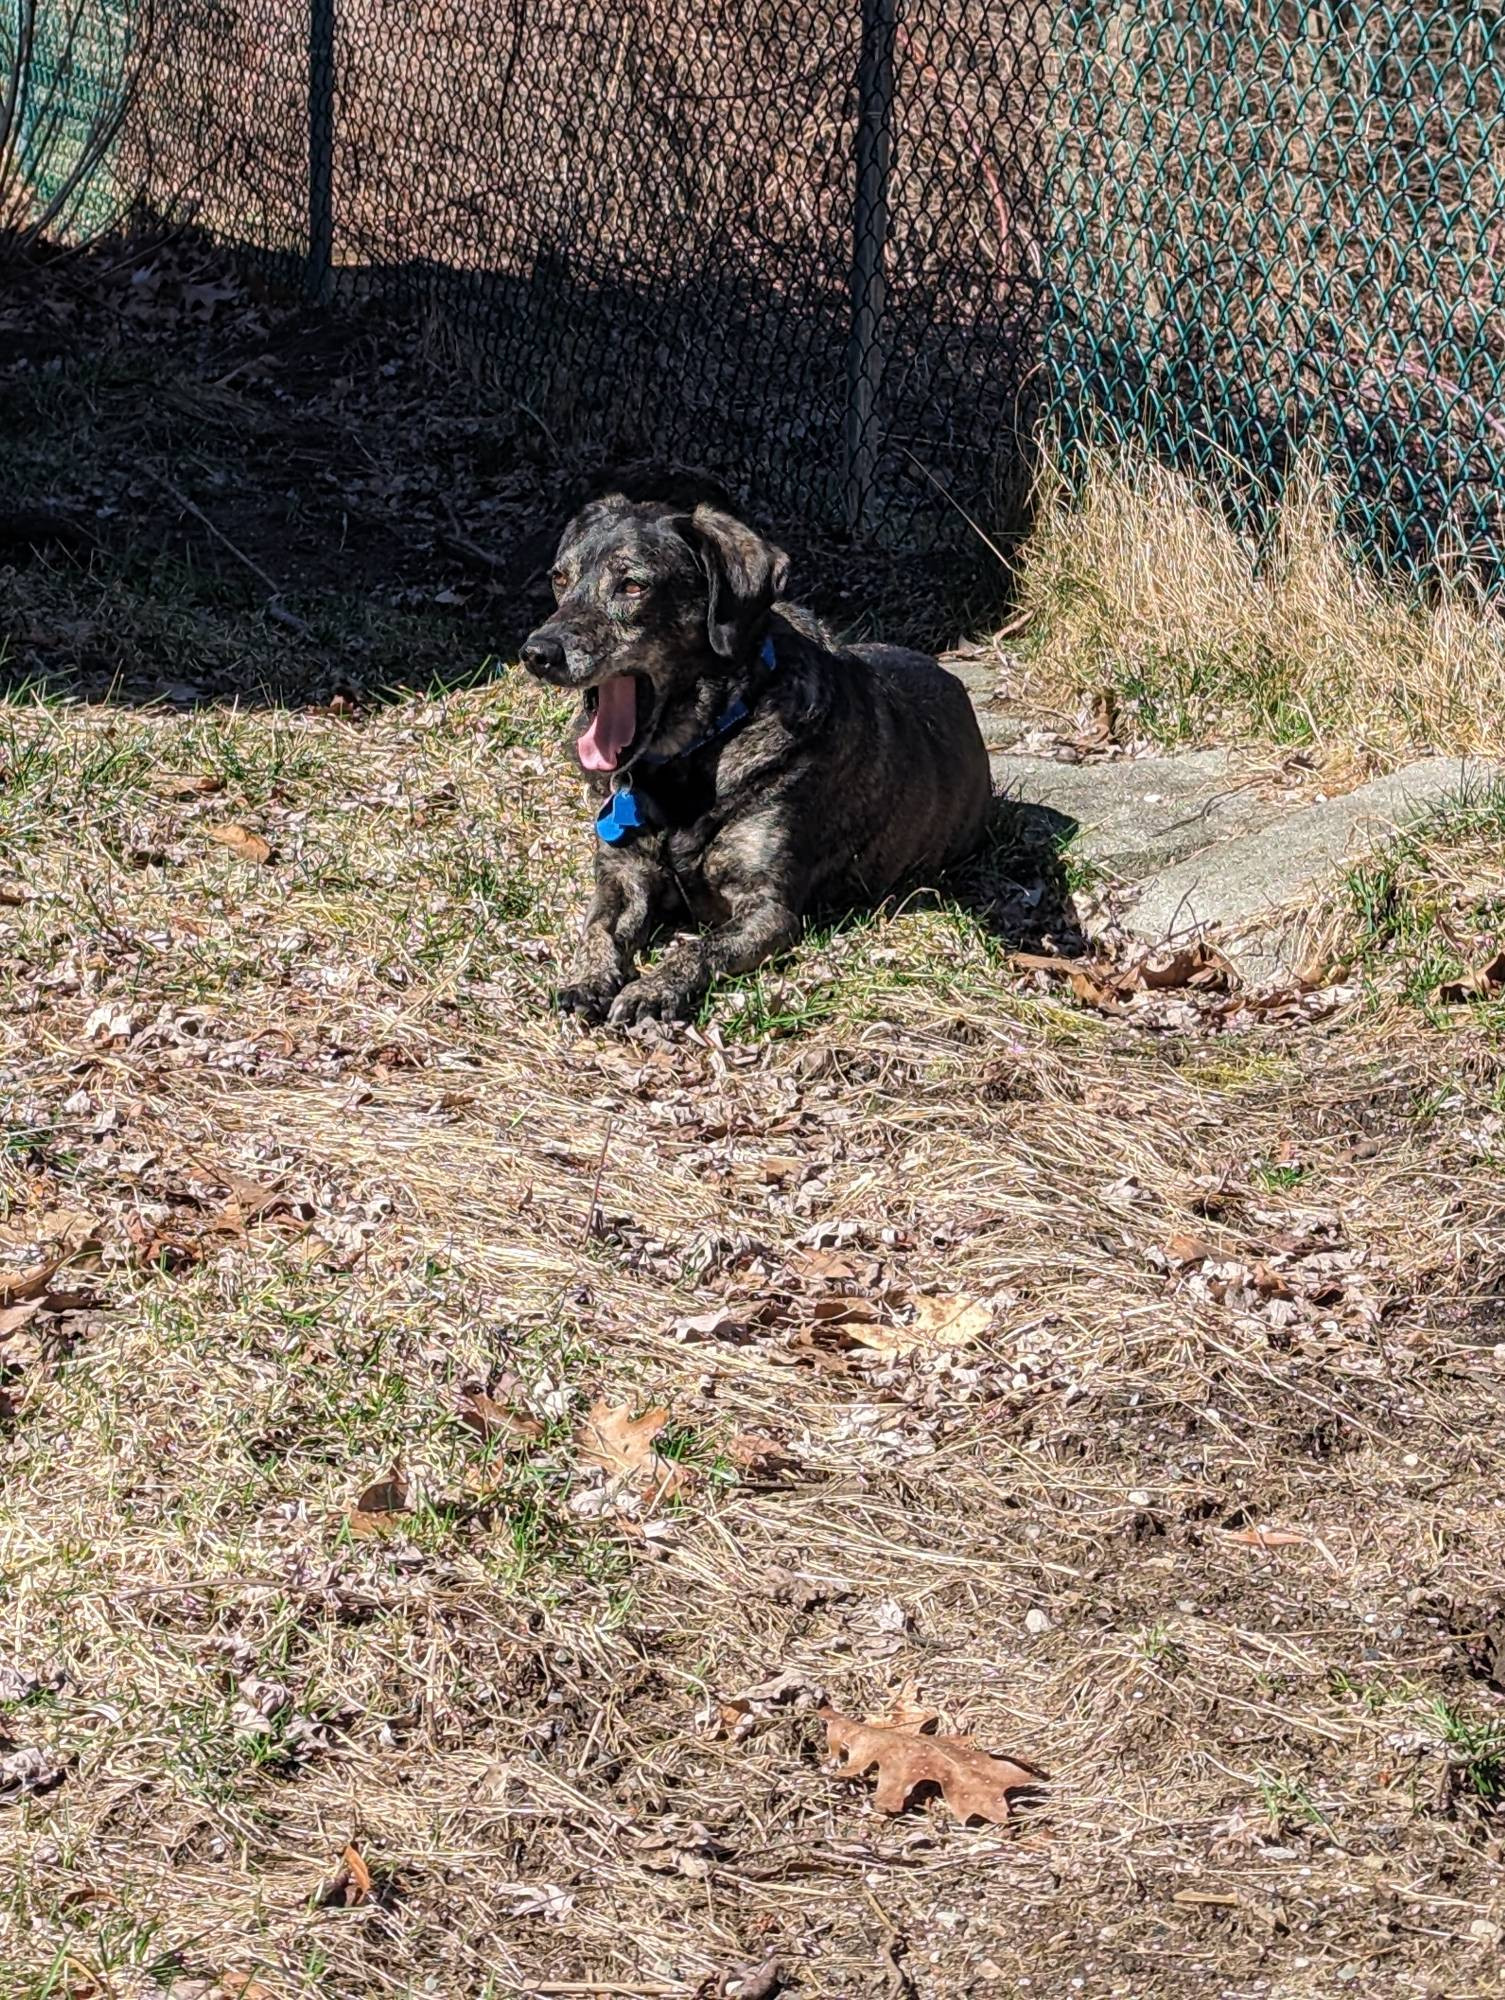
71, 92
1276, 224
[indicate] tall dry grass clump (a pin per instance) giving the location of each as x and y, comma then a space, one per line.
1135, 580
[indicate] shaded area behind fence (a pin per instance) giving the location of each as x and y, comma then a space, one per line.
859, 256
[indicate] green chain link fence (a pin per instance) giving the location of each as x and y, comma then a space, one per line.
1279, 226
860, 253
64, 72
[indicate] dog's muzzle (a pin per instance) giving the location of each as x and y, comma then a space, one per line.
547, 657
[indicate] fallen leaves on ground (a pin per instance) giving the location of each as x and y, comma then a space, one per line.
30, 1286
738, 1715
973, 1782
496, 1422
622, 1446
242, 843
945, 1319
1484, 982
377, 1510
27, 1769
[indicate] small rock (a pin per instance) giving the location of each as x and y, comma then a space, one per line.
1036, 1623
1138, 1497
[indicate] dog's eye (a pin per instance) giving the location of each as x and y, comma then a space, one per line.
630, 587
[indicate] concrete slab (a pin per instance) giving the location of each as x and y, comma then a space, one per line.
1137, 815
1242, 887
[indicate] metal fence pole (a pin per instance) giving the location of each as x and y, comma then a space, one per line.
875, 103
319, 274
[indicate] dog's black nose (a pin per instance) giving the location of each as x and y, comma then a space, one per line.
543, 655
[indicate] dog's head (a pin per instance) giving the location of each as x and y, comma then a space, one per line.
651, 601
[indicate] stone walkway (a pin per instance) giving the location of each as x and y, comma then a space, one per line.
1213, 841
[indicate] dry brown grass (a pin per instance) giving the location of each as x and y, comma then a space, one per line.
1275, 1770
1136, 581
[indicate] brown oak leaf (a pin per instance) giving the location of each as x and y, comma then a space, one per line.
974, 1783
622, 1445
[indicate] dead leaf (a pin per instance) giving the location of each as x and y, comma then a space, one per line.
1190, 965
844, 1312
1181, 1252
738, 1715
1095, 990
242, 843
758, 1457
27, 1769
351, 1887
1094, 985
242, 1986
1265, 1538
951, 1319
974, 1783
17, 1287
14, 894
834, 1267
376, 1511
495, 1422
622, 1445
110, 1025
1485, 982
721, 1323
186, 784
907, 1711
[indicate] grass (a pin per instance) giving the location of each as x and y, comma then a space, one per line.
1427, 909
352, 1210
1135, 583
500, 1696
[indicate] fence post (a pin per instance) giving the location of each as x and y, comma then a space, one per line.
875, 103
319, 274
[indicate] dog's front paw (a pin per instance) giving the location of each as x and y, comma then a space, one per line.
589, 998
649, 1000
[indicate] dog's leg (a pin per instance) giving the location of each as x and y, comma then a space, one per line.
617, 926
753, 871
756, 930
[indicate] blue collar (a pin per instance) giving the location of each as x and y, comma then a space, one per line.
623, 814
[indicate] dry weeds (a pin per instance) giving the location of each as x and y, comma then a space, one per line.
338, 1656
1137, 583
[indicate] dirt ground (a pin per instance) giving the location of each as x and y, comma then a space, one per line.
462, 1474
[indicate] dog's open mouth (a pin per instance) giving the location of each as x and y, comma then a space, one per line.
618, 715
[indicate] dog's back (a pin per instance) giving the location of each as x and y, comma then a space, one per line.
903, 774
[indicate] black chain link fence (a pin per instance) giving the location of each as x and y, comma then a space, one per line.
795, 245
857, 256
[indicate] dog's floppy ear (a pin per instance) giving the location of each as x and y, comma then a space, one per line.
744, 574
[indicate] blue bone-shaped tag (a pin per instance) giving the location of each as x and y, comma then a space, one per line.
619, 817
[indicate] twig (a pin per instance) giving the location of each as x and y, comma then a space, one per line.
458, 539
591, 1212
275, 608
977, 529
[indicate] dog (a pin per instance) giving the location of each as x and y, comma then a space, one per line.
748, 769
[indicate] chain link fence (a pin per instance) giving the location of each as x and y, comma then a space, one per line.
861, 256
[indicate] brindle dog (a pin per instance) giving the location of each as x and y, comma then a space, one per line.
748, 768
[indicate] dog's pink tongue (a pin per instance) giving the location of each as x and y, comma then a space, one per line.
612, 724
